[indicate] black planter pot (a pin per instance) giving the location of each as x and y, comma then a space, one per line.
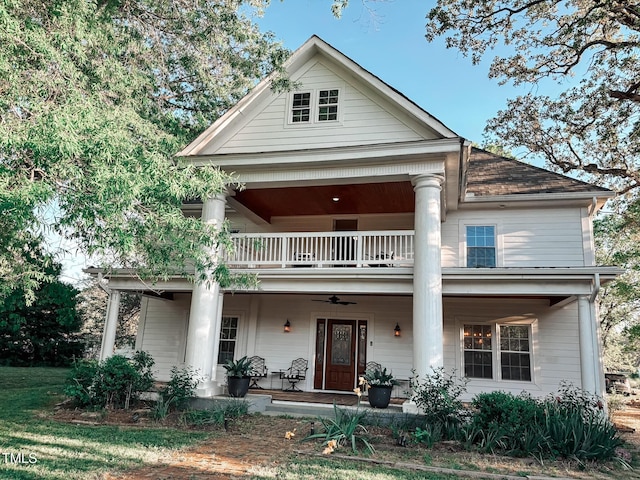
238, 386
379, 396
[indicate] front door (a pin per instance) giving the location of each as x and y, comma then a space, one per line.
340, 364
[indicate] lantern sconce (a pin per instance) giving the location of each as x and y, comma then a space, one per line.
287, 326
397, 330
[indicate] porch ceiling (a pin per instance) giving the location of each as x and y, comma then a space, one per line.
389, 197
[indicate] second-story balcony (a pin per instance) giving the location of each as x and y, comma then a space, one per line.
322, 249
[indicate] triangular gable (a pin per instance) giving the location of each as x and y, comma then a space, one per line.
373, 111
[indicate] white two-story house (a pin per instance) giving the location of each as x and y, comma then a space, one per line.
378, 234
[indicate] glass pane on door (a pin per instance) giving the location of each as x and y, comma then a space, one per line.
341, 345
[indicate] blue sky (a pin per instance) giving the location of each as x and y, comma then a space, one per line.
391, 45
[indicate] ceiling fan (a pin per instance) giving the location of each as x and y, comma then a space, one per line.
334, 300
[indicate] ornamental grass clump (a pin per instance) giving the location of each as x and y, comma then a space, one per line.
346, 429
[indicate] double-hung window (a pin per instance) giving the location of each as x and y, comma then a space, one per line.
228, 338
301, 107
316, 106
500, 352
327, 105
481, 246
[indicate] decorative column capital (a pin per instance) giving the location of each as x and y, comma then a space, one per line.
427, 180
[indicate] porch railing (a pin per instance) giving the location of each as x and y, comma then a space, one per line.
322, 249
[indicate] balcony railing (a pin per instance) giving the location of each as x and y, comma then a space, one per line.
322, 249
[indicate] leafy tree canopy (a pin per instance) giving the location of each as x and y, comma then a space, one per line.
96, 97
592, 127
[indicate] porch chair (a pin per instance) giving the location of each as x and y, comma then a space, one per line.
295, 373
381, 257
372, 366
258, 370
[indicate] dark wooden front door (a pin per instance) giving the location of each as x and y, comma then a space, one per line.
340, 364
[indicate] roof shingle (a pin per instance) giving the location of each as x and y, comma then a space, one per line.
490, 174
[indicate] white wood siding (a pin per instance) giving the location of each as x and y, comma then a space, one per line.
555, 345
526, 237
364, 121
163, 332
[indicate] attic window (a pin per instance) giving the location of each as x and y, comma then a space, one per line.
327, 105
301, 107
314, 107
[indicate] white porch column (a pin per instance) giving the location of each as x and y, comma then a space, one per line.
589, 369
205, 316
427, 276
110, 325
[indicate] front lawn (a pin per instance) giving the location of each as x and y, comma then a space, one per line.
33, 446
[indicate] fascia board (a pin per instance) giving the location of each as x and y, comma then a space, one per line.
528, 273
349, 154
583, 197
225, 121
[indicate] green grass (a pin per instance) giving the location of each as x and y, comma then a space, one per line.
68, 451
334, 469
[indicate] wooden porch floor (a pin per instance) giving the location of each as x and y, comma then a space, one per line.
317, 397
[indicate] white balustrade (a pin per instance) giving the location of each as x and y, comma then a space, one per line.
322, 249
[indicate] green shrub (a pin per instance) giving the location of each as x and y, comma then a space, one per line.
438, 396
506, 421
180, 388
113, 383
80, 380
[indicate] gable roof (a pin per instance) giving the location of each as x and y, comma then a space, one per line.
490, 175
232, 120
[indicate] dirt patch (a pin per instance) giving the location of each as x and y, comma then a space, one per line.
257, 443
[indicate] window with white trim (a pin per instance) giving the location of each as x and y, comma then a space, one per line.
327, 105
316, 106
228, 338
301, 107
481, 246
507, 347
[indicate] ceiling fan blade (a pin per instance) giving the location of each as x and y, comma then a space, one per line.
335, 300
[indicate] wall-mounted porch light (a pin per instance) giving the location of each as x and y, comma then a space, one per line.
287, 326
397, 330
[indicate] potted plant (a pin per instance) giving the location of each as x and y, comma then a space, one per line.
238, 376
379, 384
